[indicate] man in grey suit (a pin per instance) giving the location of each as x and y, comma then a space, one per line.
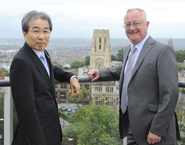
148, 86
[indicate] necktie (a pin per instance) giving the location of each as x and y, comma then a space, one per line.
128, 73
43, 59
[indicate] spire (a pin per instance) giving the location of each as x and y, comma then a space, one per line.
170, 42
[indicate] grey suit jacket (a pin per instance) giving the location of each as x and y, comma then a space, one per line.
152, 92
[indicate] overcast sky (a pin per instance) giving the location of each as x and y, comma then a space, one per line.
78, 18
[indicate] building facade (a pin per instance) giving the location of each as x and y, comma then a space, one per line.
100, 50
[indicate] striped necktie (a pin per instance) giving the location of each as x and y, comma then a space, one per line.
43, 59
127, 76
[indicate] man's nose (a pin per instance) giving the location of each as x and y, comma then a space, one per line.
132, 27
41, 35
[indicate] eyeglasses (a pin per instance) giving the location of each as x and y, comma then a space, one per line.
135, 25
45, 32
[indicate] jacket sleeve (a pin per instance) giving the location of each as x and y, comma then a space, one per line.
22, 87
61, 75
168, 91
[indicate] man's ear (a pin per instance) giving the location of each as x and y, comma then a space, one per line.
24, 34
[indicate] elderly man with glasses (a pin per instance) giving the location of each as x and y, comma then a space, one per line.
148, 85
32, 77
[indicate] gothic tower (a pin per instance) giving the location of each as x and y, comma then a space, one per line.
170, 42
100, 50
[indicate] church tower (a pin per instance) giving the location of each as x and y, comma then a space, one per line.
170, 42
100, 50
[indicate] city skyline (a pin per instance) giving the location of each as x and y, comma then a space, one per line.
78, 19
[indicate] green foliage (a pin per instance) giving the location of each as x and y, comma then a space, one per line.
179, 113
87, 60
94, 125
182, 129
55, 62
113, 58
60, 66
75, 64
4, 70
66, 68
180, 55
81, 98
117, 57
180, 67
182, 91
63, 114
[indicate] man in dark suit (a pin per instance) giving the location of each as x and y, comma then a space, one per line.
148, 86
32, 77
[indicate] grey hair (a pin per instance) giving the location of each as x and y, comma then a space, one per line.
32, 15
141, 10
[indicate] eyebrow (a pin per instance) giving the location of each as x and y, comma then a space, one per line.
34, 27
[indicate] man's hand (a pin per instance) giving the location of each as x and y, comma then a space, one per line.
94, 74
75, 86
153, 138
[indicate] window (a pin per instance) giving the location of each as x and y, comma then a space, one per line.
98, 89
107, 89
99, 46
63, 86
100, 40
111, 89
86, 86
63, 95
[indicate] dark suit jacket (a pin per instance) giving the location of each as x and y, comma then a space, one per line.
152, 93
34, 96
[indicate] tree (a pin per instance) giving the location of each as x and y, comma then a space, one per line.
180, 55
55, 62
94, 125
81, 98
113, 58
4, 70
87, 60
75, 64
119, 55
60, 66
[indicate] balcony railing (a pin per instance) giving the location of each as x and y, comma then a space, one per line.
8, 107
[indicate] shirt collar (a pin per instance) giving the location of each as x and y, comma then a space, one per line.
139, 46
38, 53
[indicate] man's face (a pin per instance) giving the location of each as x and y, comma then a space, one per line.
136, 34
38, 34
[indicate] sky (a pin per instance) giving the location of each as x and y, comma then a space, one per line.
79, 18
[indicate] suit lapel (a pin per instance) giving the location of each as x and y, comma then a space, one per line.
146, 48
51, 71
38, 64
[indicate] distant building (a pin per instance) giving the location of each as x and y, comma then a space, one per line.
2, 75
106, 93
100, 50
83, 71
63, 92
170, 42
115, 63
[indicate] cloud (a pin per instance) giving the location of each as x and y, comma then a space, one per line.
73, 18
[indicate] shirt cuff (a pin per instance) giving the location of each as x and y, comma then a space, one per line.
73, 77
